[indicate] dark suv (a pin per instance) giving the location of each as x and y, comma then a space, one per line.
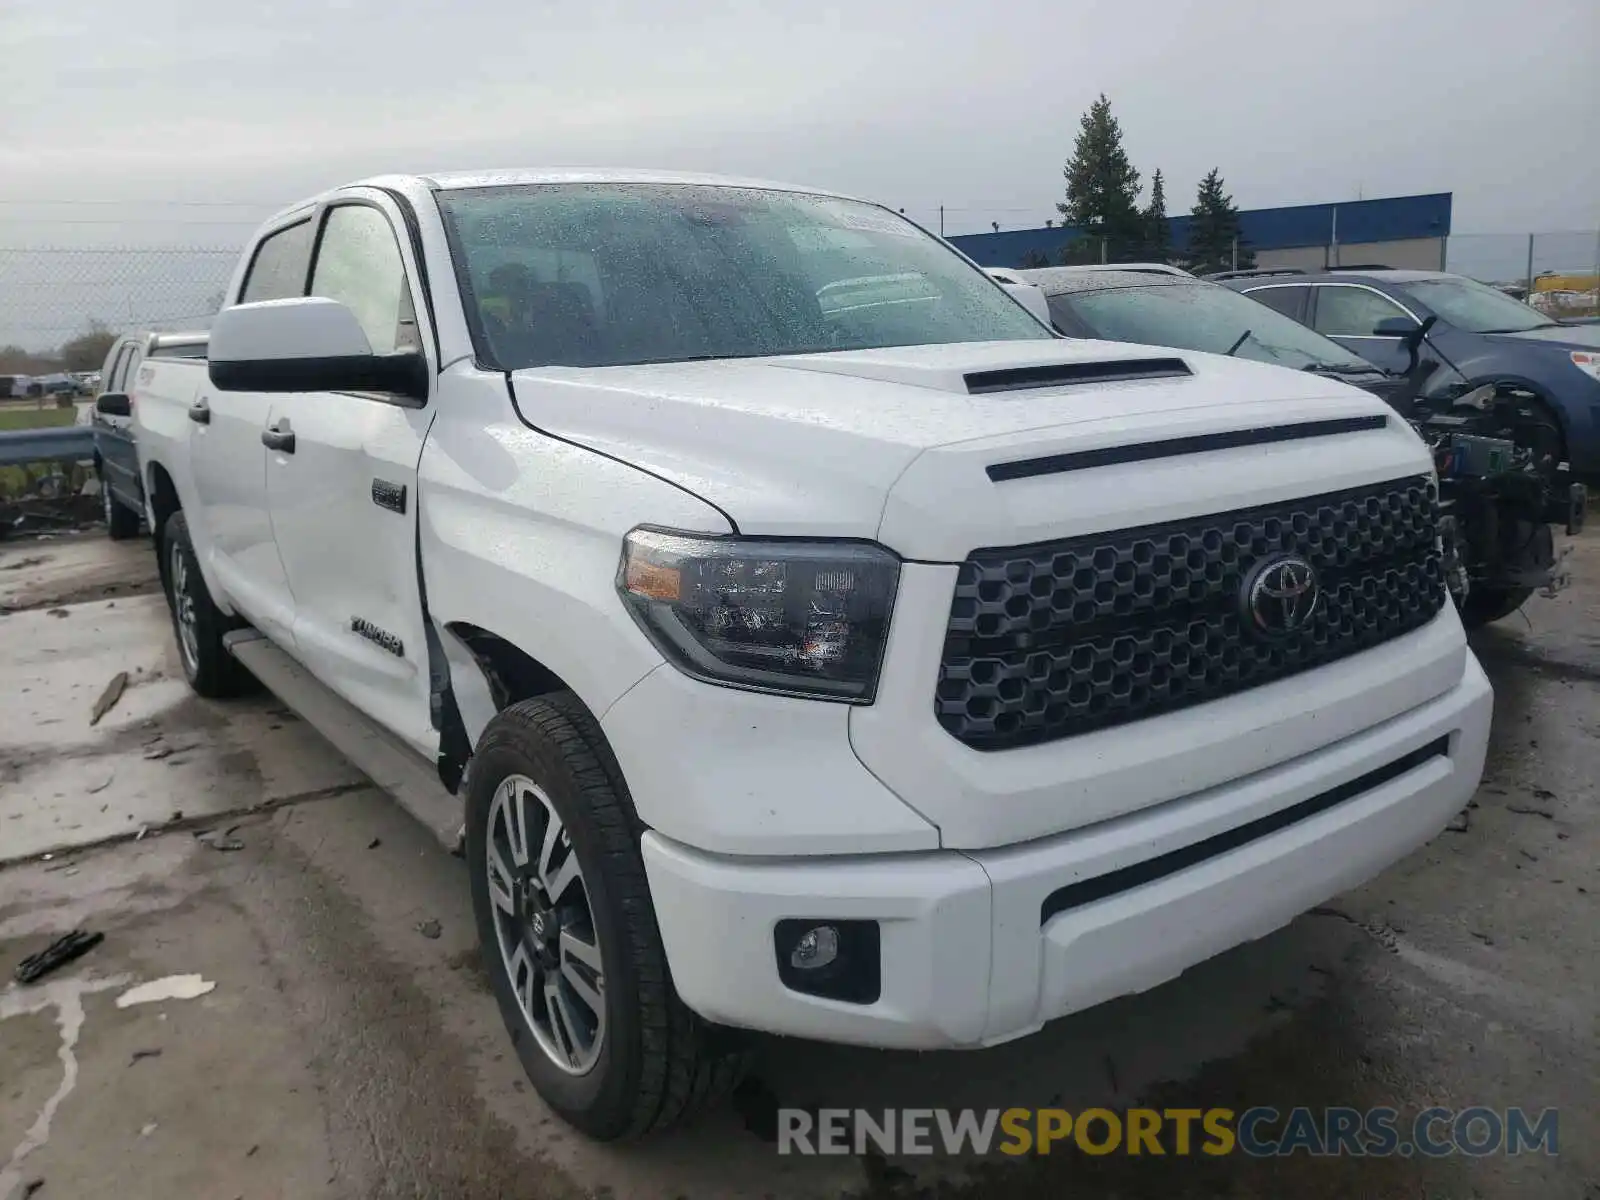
1500, 487
1479, 335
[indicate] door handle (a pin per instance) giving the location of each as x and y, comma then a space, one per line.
200, 413
278, 438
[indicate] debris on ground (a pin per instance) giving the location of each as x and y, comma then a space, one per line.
32, 1188
100, 787
1531, 812
374, 843
224, 842
158, 752
148, 1129
108, 698
1459, 822
1543, 794
429, 928
138, 1054
59, 612
58, 953
171, 987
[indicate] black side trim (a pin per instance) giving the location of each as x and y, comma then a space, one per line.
1056, 464
401, 378
389, 495
1075, 895
1011, 379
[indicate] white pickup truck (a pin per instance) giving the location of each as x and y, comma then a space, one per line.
800, 636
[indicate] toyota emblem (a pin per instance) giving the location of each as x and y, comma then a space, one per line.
1280, 596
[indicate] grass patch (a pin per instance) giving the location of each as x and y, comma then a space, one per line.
36, 418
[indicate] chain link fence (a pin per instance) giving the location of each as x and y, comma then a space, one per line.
1556, 271
50, 295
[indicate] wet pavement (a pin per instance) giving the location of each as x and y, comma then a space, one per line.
344, 1051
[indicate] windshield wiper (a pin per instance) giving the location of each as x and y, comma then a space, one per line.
1525, 328
1340, 368
1238, 343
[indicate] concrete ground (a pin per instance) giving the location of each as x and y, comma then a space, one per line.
348, 1046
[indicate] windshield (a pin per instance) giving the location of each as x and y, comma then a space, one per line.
1475, 307
589, 275
1203, 316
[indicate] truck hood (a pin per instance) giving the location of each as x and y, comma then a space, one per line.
895, 445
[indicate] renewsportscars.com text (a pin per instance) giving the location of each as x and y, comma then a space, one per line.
1261, 1132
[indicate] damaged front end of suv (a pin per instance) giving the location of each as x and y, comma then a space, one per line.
1502, 487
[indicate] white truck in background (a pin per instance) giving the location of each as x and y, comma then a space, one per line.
803, 636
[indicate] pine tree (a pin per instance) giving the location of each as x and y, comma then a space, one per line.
1102, 187
1157, 233
1213, 229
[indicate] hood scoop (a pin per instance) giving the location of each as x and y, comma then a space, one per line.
1120, 370
977, 369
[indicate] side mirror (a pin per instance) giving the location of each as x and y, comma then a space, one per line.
113, 404
307, 344
1395, 327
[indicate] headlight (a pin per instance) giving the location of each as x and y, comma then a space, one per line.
1588, 362
797, 618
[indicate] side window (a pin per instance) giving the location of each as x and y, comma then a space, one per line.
279, 268
359, 264
1351, 311
1290, 301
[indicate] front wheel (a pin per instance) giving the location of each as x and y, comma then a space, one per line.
568, 932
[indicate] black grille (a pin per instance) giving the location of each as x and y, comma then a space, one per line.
1064, 637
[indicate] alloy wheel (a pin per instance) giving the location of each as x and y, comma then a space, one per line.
183, 608
545, 925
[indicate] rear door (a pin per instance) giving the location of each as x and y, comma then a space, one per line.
342, 485
229, 462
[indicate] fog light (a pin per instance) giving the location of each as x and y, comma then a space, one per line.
839, 960
816, 948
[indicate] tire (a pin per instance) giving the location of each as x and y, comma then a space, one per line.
122, 522
197, 623
1484, 605
638, 1061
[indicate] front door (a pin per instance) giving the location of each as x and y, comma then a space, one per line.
342, 489
1349, 314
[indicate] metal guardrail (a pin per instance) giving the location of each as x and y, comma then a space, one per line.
61, 443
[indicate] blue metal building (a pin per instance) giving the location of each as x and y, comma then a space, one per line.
1397, 231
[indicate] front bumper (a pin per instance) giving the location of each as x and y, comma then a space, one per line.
981, 946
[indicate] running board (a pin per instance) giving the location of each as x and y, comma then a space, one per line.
390, 764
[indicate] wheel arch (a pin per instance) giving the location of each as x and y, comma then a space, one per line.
1542, 392
487, 673
162, 494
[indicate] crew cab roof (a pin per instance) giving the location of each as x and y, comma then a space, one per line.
511, 177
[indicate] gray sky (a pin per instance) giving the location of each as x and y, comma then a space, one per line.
912, 102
